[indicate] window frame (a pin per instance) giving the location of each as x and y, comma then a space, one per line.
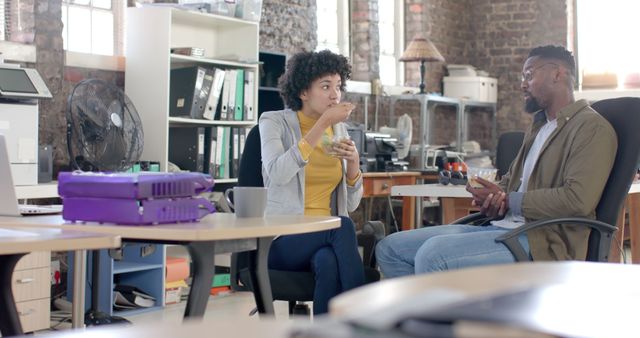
118, 11
344, 28
399, 26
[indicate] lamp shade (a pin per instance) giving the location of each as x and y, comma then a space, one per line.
421, 49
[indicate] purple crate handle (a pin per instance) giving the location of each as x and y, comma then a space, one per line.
210, 209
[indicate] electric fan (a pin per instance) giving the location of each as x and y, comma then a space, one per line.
104, 131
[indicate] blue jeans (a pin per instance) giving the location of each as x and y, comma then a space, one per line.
331, 254
443, 247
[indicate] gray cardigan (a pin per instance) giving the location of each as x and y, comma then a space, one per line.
283, 168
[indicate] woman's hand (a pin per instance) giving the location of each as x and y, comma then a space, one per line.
345, 149
337, 113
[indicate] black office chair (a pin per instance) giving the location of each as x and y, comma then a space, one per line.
624, 116
508, 145
290, 286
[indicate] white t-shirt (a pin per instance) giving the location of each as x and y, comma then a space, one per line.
511, 221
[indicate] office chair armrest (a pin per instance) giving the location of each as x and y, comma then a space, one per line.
510, 239
474, 219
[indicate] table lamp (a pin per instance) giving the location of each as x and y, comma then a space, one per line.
421, 49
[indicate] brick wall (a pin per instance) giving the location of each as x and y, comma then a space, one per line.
494, 35
288, 26
504, 33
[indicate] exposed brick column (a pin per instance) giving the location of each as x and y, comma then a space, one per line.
50, 64
365, 40
288, 27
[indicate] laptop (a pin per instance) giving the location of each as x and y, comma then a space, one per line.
8, 201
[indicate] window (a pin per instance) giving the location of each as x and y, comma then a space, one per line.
93, 26
333, 26
17, 21
3, 19
605, 41
391, 28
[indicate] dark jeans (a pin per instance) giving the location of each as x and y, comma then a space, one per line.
332, 255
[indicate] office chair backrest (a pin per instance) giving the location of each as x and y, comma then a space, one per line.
509, 144
624, 116
250, 171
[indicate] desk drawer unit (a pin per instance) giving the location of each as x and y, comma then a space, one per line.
34, 314
31, 284
381, 187
40, 259
32, 290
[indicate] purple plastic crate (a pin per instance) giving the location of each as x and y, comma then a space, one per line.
135, 212
133, 186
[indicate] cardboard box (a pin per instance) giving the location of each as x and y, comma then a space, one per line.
477, 88
172, 295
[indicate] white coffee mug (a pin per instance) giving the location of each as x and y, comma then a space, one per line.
247, 201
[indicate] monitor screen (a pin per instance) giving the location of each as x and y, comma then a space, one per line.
16, 81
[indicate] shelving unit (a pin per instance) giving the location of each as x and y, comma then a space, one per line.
228, 43
144, 272
273, 65
429, 102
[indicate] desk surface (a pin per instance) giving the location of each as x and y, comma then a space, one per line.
217, 226
15, 240
430, 190
439, 190
390, 174
482, 281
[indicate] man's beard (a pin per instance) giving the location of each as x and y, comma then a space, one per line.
531, 105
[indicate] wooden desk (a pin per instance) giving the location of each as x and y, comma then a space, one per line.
455, 201
215, 233
631, 205
15, 242
379, 184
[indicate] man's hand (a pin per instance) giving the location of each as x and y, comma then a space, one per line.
492, 201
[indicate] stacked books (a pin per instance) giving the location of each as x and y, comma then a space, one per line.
127, 297
176, 273
188, 51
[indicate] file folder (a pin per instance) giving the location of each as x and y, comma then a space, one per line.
249, 92
239, 93
211, 109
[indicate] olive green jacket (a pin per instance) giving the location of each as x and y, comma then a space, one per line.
567, 180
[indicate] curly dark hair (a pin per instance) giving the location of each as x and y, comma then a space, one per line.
556, 53
305, 67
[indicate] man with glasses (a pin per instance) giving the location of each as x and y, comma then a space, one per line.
560, 171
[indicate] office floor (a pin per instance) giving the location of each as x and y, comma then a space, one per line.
233, 305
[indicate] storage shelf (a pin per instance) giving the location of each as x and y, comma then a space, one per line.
213, 21
178, 58
269, 89
185, 120
125, 267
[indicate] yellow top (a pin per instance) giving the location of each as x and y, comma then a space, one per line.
322, 174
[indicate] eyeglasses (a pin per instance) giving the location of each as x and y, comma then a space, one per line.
528, 74
454, 177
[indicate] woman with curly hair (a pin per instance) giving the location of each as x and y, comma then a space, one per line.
306, 172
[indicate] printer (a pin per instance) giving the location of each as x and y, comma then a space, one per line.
20, 89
